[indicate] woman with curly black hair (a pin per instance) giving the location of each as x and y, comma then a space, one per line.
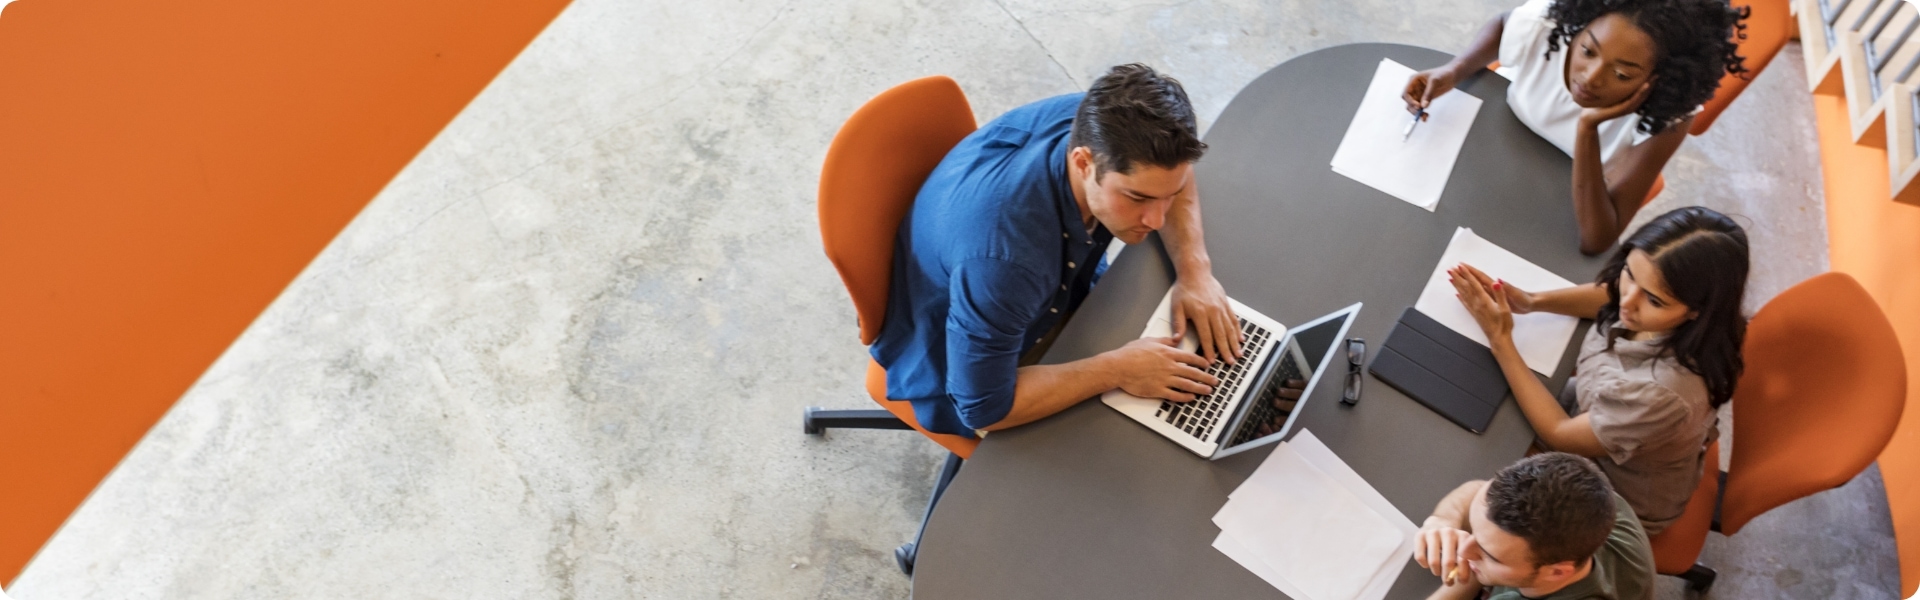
1613, 83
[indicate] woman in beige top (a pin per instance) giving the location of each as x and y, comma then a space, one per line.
1663, 354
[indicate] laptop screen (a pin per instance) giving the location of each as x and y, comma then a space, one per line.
1317, 342
1270, 410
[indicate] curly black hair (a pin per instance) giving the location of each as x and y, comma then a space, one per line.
1696, 42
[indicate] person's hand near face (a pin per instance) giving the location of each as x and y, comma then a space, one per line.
1594, 116
1444, 549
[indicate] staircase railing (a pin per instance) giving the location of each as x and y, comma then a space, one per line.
1856, 50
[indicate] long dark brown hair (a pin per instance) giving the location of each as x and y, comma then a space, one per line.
1702, 255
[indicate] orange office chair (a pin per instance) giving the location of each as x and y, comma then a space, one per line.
1676, 549
1769, 26
874, 169
1825, 384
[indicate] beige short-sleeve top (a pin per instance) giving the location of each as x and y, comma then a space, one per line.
1653, 417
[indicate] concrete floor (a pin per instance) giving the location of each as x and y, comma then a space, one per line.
564, 353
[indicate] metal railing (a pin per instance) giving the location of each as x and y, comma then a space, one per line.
1829, 14
1873, 22
1876, 61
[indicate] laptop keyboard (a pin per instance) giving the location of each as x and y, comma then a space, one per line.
1199, 417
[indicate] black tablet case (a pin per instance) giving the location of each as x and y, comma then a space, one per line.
1450, 373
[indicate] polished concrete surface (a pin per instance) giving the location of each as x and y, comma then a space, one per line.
564, 353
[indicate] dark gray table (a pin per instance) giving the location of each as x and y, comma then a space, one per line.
1088, 504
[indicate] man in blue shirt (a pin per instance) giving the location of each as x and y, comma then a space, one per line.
1005, 238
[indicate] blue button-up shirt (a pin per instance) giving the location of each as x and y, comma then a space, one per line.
992, 256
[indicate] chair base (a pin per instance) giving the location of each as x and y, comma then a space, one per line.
905, 555
1699, 578
818, 420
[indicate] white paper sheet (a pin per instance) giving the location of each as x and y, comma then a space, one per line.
1232, 547
1541, 337
1321, 456
1306, 523
1414, 169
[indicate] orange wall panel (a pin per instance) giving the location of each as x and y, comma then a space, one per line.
1877, 241
166, 168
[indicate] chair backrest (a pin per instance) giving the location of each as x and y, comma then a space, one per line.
1768, 28
873, 170
1824, 387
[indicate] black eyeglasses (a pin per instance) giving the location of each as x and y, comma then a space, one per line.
1356, 355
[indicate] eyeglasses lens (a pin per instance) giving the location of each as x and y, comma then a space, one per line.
1356, 354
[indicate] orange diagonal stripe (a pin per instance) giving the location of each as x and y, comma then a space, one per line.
166, 168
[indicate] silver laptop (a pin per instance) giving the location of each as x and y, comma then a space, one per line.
1245, 411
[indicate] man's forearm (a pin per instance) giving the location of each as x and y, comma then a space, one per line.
1043, 390
1452, 510
1185, 243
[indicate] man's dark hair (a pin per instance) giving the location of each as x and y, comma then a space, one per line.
1559, 503
1135, 115
1697, 44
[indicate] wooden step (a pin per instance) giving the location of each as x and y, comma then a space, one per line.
1867, 115
1903, 143
1823, 64
1876, 44
1868, 52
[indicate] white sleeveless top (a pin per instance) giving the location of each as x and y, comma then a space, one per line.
1538, 94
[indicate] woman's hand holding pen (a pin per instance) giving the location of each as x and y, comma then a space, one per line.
1426, 85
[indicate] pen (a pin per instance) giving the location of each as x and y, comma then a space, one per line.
1408, 132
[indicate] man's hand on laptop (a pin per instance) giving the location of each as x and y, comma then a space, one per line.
1200, 299
1158, 368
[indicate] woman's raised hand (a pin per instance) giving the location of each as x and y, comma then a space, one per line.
1519, 301
1485, 298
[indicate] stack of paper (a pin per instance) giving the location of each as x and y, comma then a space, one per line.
1414, 168
1308, 524
1541, 337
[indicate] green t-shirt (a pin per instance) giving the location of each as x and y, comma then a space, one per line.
1622, 569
